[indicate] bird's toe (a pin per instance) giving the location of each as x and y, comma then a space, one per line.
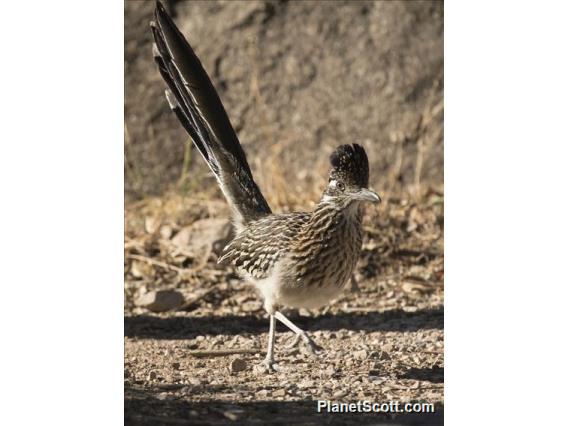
268, 366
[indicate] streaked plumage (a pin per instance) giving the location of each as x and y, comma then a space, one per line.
294, 259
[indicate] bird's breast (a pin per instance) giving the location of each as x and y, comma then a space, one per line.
320, 265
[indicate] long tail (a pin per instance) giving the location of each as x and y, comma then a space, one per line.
195, 102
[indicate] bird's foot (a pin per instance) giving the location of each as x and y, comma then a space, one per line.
312, 346
268, 366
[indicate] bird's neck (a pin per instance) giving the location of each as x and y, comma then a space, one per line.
336, 203
334, 211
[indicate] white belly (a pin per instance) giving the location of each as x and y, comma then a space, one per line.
276, 293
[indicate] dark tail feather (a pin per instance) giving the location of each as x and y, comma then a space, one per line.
195, 102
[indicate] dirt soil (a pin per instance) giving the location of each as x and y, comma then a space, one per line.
382, 343
297, 79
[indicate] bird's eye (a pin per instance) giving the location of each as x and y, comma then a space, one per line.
340, 186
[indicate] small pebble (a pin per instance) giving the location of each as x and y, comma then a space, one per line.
194, 381
262, 393
279, 393
339, 394
306, 383
238, 364
231, 415
160, 301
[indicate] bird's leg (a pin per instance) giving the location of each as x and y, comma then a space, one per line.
268, 362
294, 342
300, 334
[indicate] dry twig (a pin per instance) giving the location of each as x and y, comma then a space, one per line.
223, 352
156, 263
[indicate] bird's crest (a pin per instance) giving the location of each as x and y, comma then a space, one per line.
349, 164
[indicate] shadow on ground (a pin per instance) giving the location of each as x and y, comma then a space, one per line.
433, 375
188, 327
144, 407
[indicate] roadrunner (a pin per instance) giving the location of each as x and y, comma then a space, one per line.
298, 260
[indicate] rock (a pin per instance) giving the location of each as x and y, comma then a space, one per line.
377, 380
231, 415
262, 393
152, 375
360, 355
339, 394
306, 383
194, 381
140, 269
175, 365
221, 32
279, 393
252, 306
238, 364
202, 237
160, 301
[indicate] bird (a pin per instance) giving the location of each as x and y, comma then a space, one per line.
295, 260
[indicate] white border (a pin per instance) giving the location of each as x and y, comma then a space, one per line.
505, 188
61, 176
61, 172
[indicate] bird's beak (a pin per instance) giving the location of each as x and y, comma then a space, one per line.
365, 194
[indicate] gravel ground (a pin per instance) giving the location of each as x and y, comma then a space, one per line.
383, 340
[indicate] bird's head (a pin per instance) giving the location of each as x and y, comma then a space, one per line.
349, 176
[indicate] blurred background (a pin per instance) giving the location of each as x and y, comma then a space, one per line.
297, 79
